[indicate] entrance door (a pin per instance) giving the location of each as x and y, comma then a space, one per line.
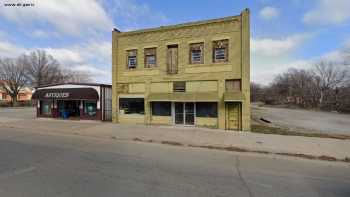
184, 113
179, 113
189, 113
68, 108
233, 116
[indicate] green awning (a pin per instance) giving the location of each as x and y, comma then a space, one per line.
185, 97
233, 96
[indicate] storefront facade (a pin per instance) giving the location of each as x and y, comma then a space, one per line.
80, 101
192, 74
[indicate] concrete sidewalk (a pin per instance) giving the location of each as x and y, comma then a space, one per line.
191, 136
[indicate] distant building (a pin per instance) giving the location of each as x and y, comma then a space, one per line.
25, 94
188, 74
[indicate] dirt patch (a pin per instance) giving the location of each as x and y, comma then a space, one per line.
301, 120
285, 131
172, 143
327, 158
346, 159
322, 157
138, 140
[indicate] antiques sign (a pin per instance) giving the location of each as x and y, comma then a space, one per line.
57, 95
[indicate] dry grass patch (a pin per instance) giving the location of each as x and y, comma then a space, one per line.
284, 131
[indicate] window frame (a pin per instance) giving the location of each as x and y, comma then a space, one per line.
141, 112
227, 88
176, 85
128, 56
206, 108
150, 52
156, 104
172, 68
199, 46
221, 44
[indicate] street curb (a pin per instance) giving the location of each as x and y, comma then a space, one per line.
223, 148
238, 149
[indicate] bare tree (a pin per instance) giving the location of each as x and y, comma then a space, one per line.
12, 74
44, 69
327, 76
76, 76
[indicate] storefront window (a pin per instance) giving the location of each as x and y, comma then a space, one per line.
131, 106
45, 107
90, 108
161, 108
206, 109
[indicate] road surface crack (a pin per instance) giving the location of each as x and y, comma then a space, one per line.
242, 178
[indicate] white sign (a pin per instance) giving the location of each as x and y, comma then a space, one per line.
57, 95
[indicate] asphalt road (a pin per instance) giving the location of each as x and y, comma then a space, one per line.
17, 112
37, 164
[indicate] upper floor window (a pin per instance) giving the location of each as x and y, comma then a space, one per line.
150, 57
172, 61
131, 58
220, 51
196, 53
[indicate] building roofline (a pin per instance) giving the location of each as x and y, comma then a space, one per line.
74, 83
180, 25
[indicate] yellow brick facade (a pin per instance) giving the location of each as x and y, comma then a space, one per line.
210, 77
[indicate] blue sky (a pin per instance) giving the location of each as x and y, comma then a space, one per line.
284, 34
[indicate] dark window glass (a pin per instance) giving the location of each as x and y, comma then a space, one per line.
206, 109
220, 51
90, 108
161, 108
179, 86
132, 105
196, 53
196, 56
220, 54
150, 61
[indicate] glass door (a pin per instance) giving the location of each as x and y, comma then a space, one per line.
184, 113
179, 113
189, 113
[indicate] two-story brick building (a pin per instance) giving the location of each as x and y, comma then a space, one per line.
195, 73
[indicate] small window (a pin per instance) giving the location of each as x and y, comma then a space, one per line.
150, 57
131, 106
220, 51
161, 108
196, 53
90, 108
179, 86
233, 85
131, 59
207, 109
